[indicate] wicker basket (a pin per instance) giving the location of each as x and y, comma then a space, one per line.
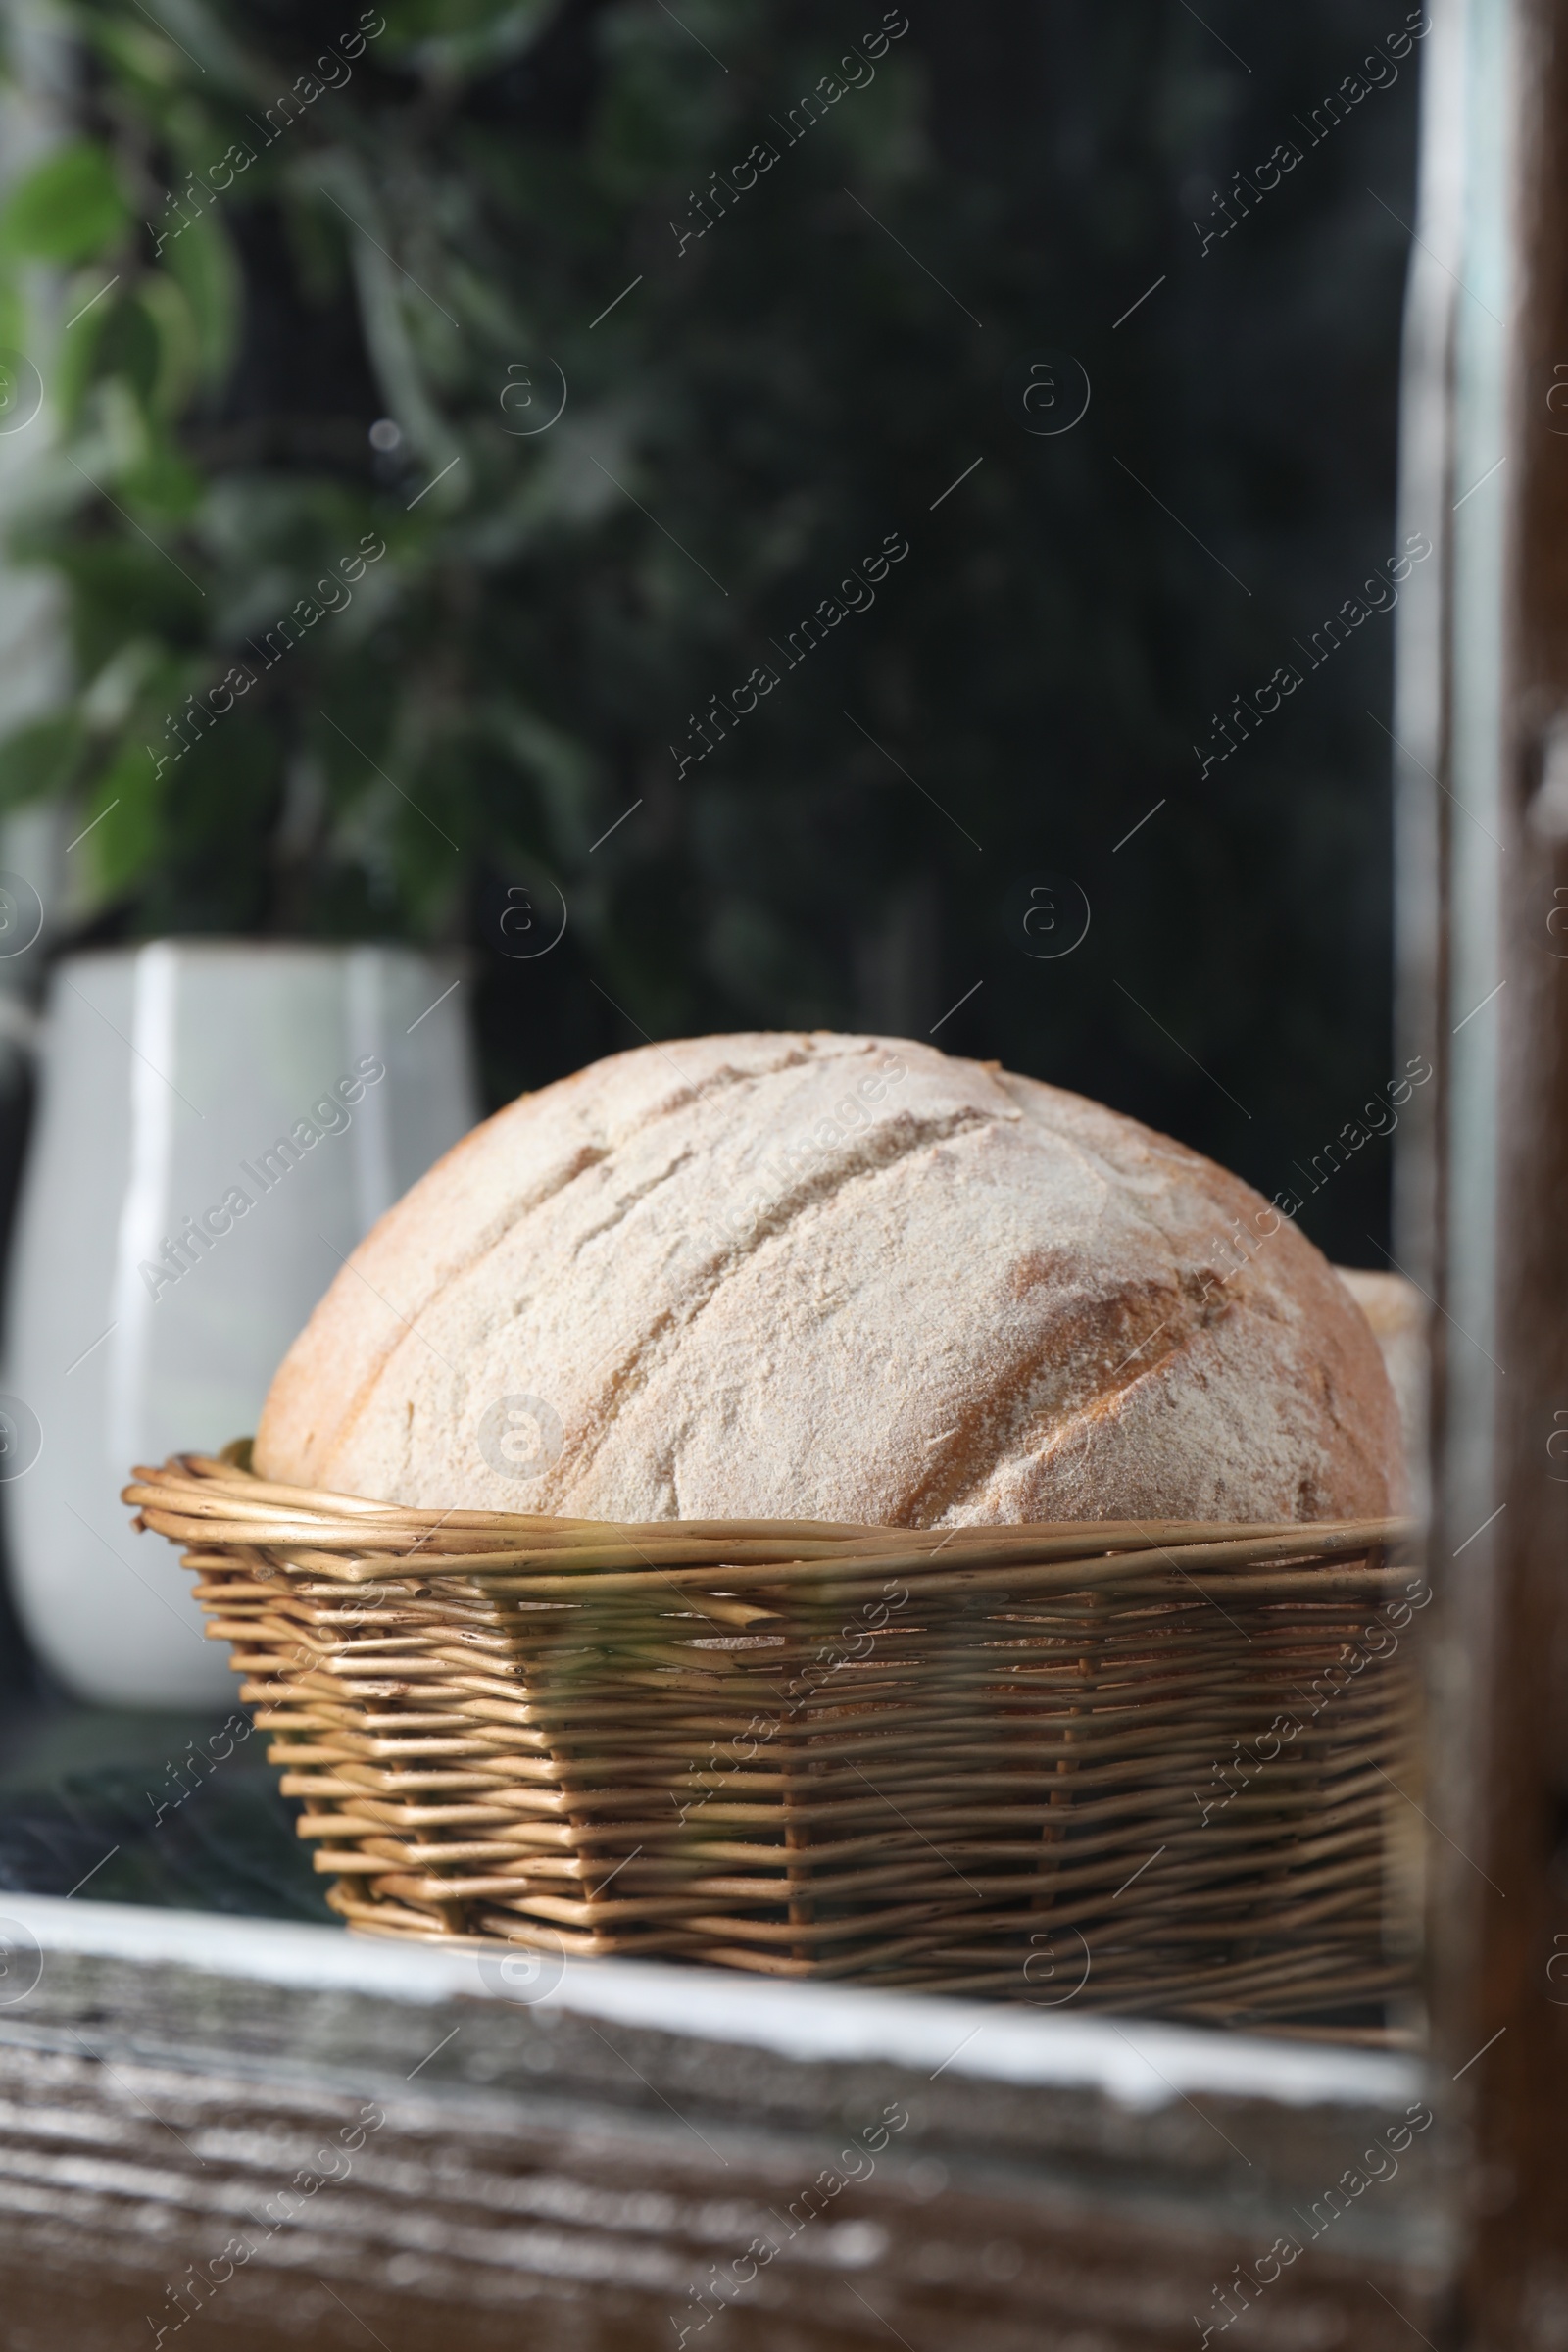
1145, 1766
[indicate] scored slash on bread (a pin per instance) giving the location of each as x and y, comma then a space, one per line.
849, 1278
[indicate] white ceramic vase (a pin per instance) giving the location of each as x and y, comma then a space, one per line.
217, 1124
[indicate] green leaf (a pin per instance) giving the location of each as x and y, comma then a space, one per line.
68, 209
164, 485
178, 343
40, 760
141, 62
201, 262
129, 802
131, 345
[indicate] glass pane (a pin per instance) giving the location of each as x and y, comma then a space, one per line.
546, 533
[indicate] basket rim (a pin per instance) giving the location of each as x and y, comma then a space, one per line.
218, 1502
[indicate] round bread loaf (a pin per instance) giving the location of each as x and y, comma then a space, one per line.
842, 1278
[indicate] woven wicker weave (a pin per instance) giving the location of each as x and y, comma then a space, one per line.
1034, 1762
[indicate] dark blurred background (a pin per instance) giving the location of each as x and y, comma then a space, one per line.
429, 248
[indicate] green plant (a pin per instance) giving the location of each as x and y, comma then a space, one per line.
487, 696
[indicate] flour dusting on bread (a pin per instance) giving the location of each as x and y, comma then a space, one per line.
847, 1278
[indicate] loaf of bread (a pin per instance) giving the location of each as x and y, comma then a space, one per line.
842, 1278
1398, 1313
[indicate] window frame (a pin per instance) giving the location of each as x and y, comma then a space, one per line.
1126, 2218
